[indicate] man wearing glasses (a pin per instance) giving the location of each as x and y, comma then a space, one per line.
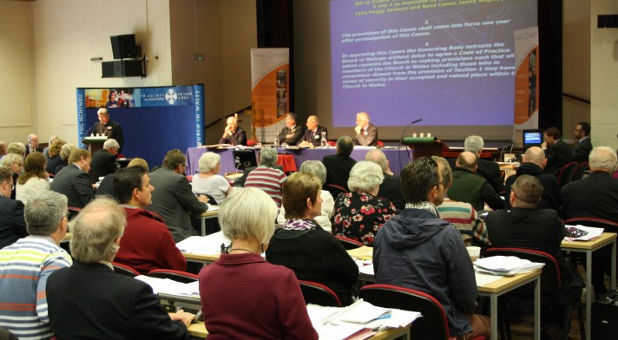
583, 146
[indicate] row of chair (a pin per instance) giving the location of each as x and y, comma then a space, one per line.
572, 171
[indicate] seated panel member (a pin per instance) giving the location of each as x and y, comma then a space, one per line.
233, 134
313, 134
106, 127
366, 133
90, 301
303, 246
243, 296
292, 133
73, 180
146, 243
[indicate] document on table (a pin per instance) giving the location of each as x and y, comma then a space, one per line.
210, 244
484, 279
171, 287
365, 267
590, 233
505, 265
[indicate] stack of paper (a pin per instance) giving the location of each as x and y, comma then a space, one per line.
171, 287
210, 244
589, 233
505, 265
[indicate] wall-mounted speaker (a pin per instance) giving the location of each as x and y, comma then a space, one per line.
122, 68
607, 21
123, 46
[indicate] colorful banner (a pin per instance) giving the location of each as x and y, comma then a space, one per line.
526, 112
270, 90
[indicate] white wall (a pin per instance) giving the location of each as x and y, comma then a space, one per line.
17, 117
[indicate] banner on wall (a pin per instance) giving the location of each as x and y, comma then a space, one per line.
526, 112
270, 90
154, 120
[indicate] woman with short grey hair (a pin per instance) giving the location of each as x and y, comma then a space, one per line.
359, 214
268, 157
208, 181
15, 164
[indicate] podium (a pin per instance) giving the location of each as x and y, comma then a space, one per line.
95, 143
424, 146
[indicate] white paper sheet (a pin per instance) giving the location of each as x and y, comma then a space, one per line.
209, 244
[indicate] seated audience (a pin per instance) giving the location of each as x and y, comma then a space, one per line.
303, 246
418, 250
34, 179
146, 243
33, 144
73, 180
558, 152
54, 161
486, 168
27, 264
90, 301
104, 160
391, 186
314, 133
173, 199
470, 188
533, 162
233, 134
291, 133
12, 224
338, 166
243, 296
65, 153
2, 149
328, 203
583, 144
51, 140
366, 133
106, 187
208, 181
15, 164
461, 215
266, 176
18, 148
359, 214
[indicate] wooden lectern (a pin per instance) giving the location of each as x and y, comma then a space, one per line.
95, 143
424, 146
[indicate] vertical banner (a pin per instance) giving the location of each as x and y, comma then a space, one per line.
270, 90
526, 112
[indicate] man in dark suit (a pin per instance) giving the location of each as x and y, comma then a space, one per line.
338, 166
292, 133
73, 180
558, 152
106, 127
485, 167
12, 224
314, 133
173, 199
104, 160
33, 144
391, 186
233, 134
89, 300
583, 145
366, 133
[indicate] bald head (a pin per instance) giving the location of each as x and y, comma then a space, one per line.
377, 156
466, 160
536, 156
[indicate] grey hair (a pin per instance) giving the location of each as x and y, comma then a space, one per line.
10, 159
602, 157
102, 111
16, 147
44, 212
209, 161
111, 143
65, 151
96, 229
365, 176
268, 157
248, 213
316, 168
474, 144
378, 157
535, 155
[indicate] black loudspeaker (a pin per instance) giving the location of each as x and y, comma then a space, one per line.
605, 21
123, 46
121, 68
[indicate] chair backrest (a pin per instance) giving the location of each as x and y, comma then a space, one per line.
580, 170
73, 211
348, 243
432, 326
176, 275
125, 269
319, 294
335, 189
566, 173
609, 226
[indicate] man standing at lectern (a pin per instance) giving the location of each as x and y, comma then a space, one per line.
106, 127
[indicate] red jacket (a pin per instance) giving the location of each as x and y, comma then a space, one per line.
147, 243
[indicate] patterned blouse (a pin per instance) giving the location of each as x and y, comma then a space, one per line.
360, 216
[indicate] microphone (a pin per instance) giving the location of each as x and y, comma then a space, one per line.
86, 134
407, 126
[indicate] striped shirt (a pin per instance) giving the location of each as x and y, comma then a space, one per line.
463, 216
268, 179
24, 268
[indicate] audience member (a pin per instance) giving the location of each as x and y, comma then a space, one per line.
146, 243
233, 134
73, 180
471, 188
34, 179
303, 246
366, 133
33, 144
533, 163
52, 138
391, 186
173, 199
106, 187
338, 166
104, 160
243, 296
106, 127
12, 224
558, 152
314, 133
583, 144
54, 162
27, 264
2, 149
89, 300
266, 176
486, 168
328, 202
461, 215
359, 214
292, 133
15, 164
16, 148
418, 250
208, 181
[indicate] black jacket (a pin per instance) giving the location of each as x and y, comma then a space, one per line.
12, 224
111, 130
74, 184
238, 138
103, 163
557, 156
593, 196
315, 138
297, 133
338, 169
551, 199
491, 171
